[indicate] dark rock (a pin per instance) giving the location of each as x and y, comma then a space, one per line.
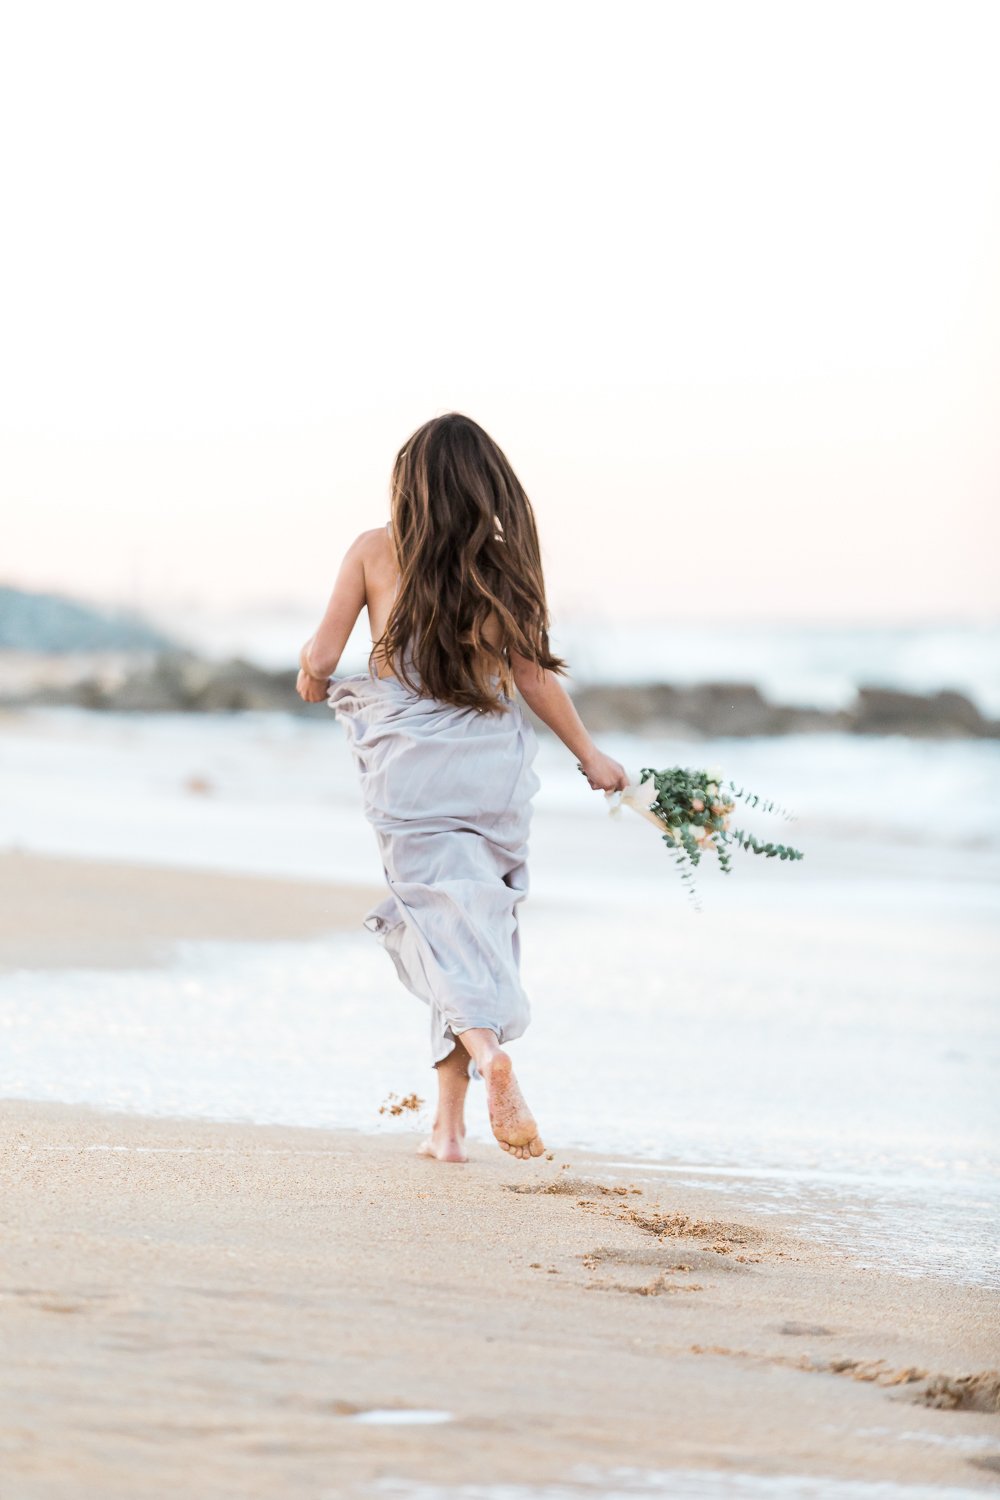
184, 683
739, 708
881, 710
180, 682
631, 707
709, 708
790, 720
239, 686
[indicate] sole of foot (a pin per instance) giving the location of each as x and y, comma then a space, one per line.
448, 1149
510, 1118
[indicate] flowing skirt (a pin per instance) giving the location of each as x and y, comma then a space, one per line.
448, 792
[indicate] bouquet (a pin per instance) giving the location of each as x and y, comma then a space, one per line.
693, 814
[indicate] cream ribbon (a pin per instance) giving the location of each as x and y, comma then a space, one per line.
639, 796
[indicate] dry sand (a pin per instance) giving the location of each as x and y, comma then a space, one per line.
203, 1309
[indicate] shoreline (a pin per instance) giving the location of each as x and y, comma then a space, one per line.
211, 1278
161, 1020
65, 912
270, 1308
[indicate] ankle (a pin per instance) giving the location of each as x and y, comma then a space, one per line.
482, 1045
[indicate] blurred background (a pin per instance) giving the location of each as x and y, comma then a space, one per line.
722, 283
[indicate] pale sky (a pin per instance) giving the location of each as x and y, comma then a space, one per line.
721, 280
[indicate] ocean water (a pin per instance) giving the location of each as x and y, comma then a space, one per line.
678, 1484
280, 797
820, 1039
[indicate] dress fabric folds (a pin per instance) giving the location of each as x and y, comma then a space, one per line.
448, 792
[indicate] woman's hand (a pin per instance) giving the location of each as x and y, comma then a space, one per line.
310, 686
603, 773
311, 689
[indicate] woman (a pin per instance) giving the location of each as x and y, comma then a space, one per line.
456, 604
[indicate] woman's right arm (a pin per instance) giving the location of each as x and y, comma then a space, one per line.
545, 695
321, 653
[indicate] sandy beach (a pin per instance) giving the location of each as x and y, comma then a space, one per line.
184, 1299
214, 1308
62, 913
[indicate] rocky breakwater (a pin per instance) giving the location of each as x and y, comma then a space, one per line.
740, 708
181, 682
163, 682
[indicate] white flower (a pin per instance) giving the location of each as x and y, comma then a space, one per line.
714, 773
712, 789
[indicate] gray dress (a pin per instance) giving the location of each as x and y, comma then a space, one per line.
448, 792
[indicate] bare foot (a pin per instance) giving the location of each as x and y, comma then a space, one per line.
443, 1146
512, 1121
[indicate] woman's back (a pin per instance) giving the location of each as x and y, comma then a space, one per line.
382, 575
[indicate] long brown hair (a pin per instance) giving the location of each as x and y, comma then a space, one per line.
468, 554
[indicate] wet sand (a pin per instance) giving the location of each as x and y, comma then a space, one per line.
189, 1299
59, 912
196, 1308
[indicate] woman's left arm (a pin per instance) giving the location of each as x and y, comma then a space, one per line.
319, 656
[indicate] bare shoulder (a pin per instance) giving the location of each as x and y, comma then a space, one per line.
373, 550
370, 549
373, 543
